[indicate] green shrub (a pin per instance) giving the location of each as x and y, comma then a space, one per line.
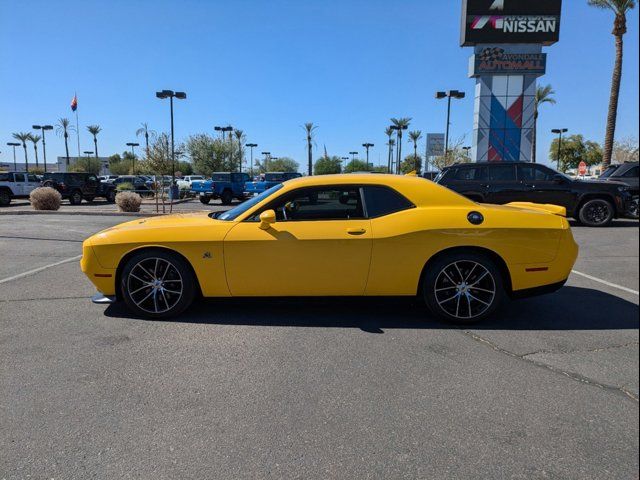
45, 198
124, 187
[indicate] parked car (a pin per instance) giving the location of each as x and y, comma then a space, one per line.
140, 184
626, 173
78, 186
107, 178
594, 203
223, 185
267, 181
338, 235
185, 182
16, 185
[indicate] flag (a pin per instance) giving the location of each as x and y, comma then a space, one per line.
74, 103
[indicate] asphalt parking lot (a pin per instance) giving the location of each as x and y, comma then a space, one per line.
313, 388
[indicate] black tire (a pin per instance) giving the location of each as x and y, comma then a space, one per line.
111, 196
632, 210
75, 198
463, 287
5, 198
157, 284
205, 200
226, 197
596, 213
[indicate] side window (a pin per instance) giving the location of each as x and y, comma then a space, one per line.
632, 172
534, 173
382, 201
470, 174
4, 177
502, 173
326, 203
18, 177
32, 178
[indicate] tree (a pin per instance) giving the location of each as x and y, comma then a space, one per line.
543, 95
327, 165
389, 132
625, 150
411, 163
63, 127
95, 130
240, 136
119, 165
144, 131
356, 165
210, 155
575, 150
400, 124
310, 129
280, 164
159, 161
415, 136
86, 165
456, 154
620, 9
35, 138
24, 137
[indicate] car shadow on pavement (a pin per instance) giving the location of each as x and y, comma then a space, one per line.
615, 223
571, 308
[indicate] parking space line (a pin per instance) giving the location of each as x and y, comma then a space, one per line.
599, 280
39, 269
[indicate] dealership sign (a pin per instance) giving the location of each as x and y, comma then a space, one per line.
497, 61
435, 144
510, 21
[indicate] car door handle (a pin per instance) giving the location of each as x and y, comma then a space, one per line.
356, 231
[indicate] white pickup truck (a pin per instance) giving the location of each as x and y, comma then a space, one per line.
185, 182
16, 185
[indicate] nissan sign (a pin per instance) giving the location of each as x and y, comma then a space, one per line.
510, 21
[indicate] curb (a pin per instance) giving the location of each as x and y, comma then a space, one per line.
94, 213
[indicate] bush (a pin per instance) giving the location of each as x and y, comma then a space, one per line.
45, 198
128, 202
124, 186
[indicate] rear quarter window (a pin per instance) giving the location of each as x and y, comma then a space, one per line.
382, 201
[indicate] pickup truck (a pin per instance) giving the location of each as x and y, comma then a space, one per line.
16, 185
185, 182
223, 185
269, 180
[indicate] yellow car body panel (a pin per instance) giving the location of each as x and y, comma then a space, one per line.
385, 256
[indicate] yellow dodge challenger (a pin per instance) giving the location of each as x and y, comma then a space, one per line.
338, 235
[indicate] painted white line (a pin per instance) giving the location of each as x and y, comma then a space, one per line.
36, 270
604, 282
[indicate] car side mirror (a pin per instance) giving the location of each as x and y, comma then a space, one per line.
267, 218
557, 178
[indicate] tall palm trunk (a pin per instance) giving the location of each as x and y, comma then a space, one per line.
534, 140
415, 155
399, 156
389, 156
26, 158
309, 155
66, 147
35, 151
95, 145
613, 100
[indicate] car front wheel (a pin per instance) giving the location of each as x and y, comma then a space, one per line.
75, 198
596, 213
463, 287
632, 211
157, 284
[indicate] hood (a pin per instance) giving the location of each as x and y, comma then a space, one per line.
177, 227
598, 184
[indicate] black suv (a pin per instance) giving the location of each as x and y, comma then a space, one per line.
594, 203
626, 173
79, 186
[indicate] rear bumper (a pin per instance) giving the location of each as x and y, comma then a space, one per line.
536, 291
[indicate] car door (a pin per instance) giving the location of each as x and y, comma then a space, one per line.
540, 187
31, 184
320, 244
20, 182
503, 186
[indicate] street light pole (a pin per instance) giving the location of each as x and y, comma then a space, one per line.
43, 128
251, 146
449, 95
170, 94
367, 146
14, 145
133, 155
267, 155
559, 131
87, 153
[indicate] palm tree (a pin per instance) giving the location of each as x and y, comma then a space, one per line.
309, 129
144, 130
414, 137
620, 9
35, 138
95, 130
63, 127
389, 132
240, 137
543, 95
24, 137
400, 124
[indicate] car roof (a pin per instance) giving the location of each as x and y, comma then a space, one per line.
484, 164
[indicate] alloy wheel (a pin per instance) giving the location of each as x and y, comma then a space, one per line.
465, 289
155, 285
597, 212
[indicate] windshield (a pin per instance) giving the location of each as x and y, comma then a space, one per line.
607, 173
221, 177
243, 207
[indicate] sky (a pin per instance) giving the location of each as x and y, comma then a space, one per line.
267, 67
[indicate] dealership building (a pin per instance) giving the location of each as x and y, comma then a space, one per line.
507, 37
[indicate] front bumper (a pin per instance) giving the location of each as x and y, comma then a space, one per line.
101, 299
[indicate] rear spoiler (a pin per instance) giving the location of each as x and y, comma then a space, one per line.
546, 207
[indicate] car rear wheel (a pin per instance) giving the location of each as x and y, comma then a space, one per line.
632, 211
596, 213
111, 196
463, 287
75, 198
205, 200
157, 284
5, 198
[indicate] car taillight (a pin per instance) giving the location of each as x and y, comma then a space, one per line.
62, 186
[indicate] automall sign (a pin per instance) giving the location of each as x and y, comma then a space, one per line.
494, 60
435, 144
510, 21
